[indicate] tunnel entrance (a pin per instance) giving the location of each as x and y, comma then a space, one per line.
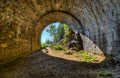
59, 33
89, 47
60, 40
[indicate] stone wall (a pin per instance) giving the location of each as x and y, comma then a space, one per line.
22, 22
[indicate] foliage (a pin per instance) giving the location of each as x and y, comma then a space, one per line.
87, 57
67, 33
104, 73
48, 41
58, 33
53, 32
65, 40
52, 29
61, 31
58, 47
56, 37
43, 45
67, 30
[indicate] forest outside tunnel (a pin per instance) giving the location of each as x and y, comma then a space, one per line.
58, 17
64, 17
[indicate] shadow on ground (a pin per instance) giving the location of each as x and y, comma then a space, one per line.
41, 65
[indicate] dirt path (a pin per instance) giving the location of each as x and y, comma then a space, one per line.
41, 65
60, 54
73, 57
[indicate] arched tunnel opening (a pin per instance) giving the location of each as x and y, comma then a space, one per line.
58, 39
61, 33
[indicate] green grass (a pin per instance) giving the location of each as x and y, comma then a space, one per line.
43, 45
104, 73
81, 51
86, 57
58, 47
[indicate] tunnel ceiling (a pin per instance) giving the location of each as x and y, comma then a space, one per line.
22, 21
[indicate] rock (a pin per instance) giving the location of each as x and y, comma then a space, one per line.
68, 53
45, 50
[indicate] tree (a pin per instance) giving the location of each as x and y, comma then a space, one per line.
58, 33
52, 30
48, 41
61, 31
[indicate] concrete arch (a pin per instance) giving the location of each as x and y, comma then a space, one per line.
59, 17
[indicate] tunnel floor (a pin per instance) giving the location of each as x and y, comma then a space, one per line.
41, 65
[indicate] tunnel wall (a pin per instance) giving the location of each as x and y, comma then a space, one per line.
22, 21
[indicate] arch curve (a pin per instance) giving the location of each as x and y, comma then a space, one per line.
56, 16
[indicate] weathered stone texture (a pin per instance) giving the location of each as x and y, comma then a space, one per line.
22, 22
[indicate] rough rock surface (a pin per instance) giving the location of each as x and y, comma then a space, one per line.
22, 22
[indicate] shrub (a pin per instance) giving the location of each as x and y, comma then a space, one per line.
87, 57
58, 47
44, 46
65, 40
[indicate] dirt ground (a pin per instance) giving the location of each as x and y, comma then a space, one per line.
73, 57
45, 65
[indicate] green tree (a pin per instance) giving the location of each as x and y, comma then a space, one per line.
52, 30
60, 32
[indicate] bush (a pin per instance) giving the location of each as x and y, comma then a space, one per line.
44, 46
58, 47
65, 40
88, 58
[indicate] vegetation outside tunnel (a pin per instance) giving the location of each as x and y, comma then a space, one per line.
60, 37
59, 33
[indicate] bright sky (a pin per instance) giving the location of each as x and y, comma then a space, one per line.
46, 35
